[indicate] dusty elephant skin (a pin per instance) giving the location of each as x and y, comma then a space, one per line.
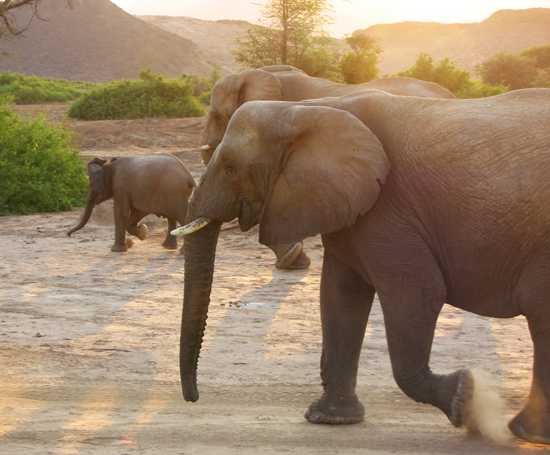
159, 185
424, 201
287, 83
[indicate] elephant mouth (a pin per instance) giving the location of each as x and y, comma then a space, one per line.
249, 215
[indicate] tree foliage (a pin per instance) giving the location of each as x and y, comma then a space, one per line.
449, 75
291, 32
361, 63
531, 68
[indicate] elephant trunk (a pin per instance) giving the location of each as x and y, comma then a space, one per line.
200, 253
92, 198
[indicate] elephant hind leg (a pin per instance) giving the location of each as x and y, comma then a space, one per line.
410, 328
170, 242
533, 422
412, 298
140, 231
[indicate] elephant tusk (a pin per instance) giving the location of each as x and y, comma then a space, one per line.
192, 227
205, 148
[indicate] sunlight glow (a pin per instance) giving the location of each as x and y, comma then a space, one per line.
348, 15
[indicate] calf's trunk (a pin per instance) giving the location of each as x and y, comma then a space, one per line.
86, 215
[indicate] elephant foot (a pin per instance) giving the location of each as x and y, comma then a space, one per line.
122, 248
531, 426
302, 262
336, 411
288, 257
462, 401
170, 244
142, 232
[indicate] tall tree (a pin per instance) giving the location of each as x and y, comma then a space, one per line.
290, 32
361, 63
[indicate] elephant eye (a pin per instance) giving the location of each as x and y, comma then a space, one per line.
229, 170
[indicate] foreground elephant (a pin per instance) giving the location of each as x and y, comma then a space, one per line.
287, 83
423, 201
140, 186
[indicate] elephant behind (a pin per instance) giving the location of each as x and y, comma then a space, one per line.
287, 83
140, 186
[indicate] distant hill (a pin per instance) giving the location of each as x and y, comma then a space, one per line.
215, 39
96, 41
467, 44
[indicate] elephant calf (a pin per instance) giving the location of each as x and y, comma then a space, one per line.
140, 186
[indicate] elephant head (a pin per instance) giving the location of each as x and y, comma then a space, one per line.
297, 171
100, 173
228, 95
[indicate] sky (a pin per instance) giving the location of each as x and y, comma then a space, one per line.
348, 15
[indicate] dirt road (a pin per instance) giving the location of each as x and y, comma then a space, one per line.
89, 343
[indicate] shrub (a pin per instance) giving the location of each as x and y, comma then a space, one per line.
514, 71
32, 90
531, 68
39, 169
150, 96
202, 86
447, 74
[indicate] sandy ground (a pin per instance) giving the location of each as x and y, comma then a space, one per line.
89, 344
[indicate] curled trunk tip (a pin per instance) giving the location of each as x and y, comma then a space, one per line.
85, 216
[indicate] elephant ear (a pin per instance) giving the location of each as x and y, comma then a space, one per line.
258, 85
96, 174
332, 172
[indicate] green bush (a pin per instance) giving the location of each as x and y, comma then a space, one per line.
447, 74
150, 96
33, 90
529, 69
202, 86
39, 169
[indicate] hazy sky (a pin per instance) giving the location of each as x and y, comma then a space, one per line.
348, 15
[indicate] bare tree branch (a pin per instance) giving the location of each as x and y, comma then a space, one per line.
8, 23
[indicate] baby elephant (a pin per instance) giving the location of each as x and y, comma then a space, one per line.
140, 186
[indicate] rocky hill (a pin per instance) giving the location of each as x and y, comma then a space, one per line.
468, 44
215, 39
96, 41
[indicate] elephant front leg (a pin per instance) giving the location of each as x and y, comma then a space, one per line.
346, 300
533, 423
122, 214
410, 316
170, 242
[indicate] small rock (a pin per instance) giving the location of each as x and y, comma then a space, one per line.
39, 335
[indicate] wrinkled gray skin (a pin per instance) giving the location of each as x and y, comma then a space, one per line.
140, 186
287, 83
423, 201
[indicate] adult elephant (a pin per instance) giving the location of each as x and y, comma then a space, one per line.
423, 201
287, 83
